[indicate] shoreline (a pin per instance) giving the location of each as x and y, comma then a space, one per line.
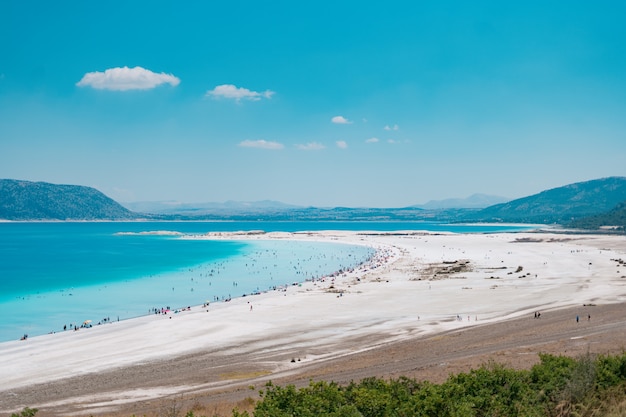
421, 286
251, 267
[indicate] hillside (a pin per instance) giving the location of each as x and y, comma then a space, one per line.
612, 220
560, 205
25, 200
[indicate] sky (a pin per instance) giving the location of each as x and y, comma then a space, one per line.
324, 103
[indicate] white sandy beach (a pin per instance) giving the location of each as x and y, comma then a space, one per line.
418, 283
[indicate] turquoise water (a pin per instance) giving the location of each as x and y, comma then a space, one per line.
60, 274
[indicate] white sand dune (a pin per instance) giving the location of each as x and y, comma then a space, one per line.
418, 283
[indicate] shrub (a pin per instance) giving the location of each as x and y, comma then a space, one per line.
26, 412
557, 386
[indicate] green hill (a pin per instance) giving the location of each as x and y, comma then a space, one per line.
25, 200
560, 205
612, 220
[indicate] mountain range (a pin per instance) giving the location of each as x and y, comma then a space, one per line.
239, 207
593, 204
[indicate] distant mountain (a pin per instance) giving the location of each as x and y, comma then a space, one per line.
25, 200
588, 204
350, 214
274, 211
560, 205
475, 201
229, 207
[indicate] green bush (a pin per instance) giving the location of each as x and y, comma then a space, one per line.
318, 399
558, 385
610, 370
26, 412
551, 374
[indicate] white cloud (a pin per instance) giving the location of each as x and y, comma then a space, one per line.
340, 120
372, 140
311, 146
238, 93
394, 127
261, 144
341, 144
124, 78
391, 141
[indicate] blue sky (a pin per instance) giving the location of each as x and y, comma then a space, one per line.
382, 104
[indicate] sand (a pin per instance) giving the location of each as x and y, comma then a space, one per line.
419, 288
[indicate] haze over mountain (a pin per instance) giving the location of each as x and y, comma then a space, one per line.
475, 201
228, 207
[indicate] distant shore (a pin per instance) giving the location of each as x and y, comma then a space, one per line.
418, 284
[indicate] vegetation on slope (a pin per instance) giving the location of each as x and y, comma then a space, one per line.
25, 200
614, 219
558, 386
560, 205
